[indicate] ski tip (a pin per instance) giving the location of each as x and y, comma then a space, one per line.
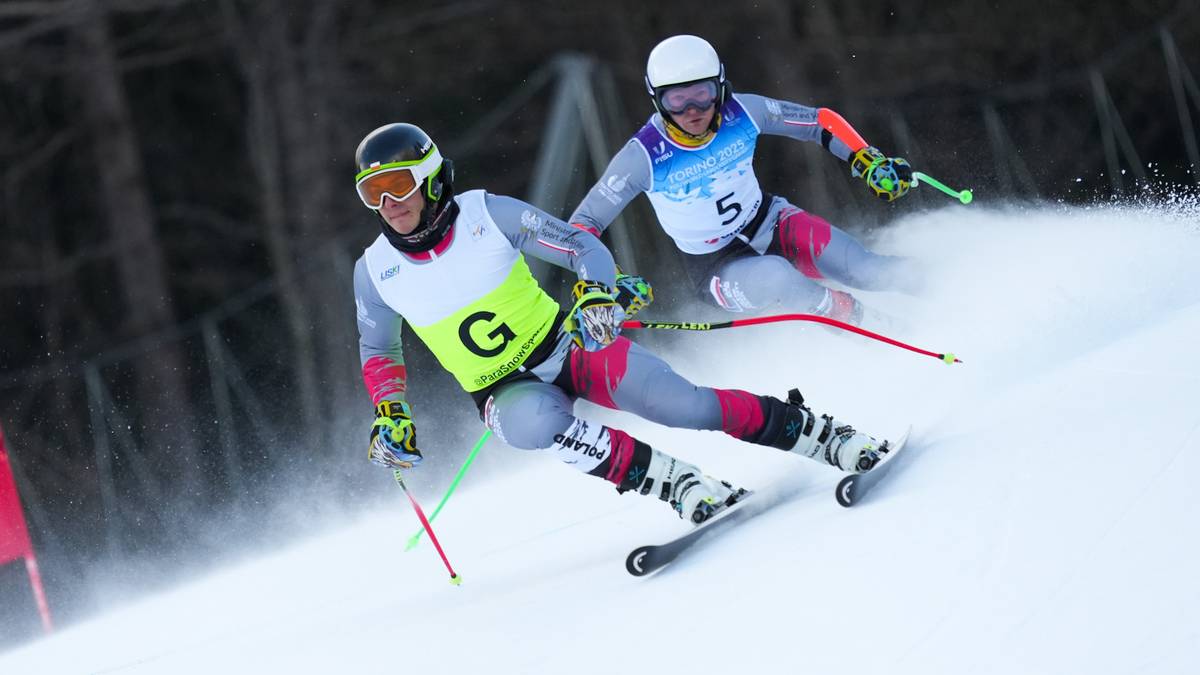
634, 564
846, 491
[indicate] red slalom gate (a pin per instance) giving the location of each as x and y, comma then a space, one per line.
14, 534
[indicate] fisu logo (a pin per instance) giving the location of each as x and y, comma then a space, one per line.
661, 153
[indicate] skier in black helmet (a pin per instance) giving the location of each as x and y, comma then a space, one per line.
452, 266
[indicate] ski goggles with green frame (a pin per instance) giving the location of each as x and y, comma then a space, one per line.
398, 180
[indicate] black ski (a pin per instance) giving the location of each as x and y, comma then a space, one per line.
853, 488
645, 559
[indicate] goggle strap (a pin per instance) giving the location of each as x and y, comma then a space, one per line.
429, 184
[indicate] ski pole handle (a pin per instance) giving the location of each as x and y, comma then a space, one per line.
841, 129
963, 196
416, 538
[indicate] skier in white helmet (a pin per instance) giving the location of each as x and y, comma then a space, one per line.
452, 265
746, 250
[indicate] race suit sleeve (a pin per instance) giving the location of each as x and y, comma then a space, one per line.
627, 176
539, 234
784, 118
379, 346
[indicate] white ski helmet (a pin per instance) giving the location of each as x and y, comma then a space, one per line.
684, 59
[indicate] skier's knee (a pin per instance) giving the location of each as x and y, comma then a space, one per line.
752, 284
526, 418
803, 238
527, 432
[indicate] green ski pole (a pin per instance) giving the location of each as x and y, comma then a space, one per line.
963, 196
416, 538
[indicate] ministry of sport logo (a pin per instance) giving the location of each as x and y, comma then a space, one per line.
530, 221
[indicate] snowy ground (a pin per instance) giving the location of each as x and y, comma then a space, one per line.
1047, 521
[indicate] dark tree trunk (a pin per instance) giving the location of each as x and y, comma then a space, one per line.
142, 272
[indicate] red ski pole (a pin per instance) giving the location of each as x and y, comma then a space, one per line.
947, 358
454, 578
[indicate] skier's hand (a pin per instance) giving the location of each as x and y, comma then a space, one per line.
888, 177
595, 320
633, 293
394, 436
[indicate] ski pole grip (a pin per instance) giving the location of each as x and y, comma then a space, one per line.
963, 196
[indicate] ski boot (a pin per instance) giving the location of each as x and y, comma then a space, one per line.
826, 439
695, 496
842, 306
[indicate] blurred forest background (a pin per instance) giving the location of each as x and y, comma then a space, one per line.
178, 362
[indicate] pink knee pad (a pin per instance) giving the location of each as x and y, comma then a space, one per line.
596, 375
803, 237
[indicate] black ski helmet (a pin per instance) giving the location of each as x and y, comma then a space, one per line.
399, 147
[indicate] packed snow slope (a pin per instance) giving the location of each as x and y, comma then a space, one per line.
1047, 520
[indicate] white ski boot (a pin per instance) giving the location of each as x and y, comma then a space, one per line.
695, 496
826, 439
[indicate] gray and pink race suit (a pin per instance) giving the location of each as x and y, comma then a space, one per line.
747, 251
530, 406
